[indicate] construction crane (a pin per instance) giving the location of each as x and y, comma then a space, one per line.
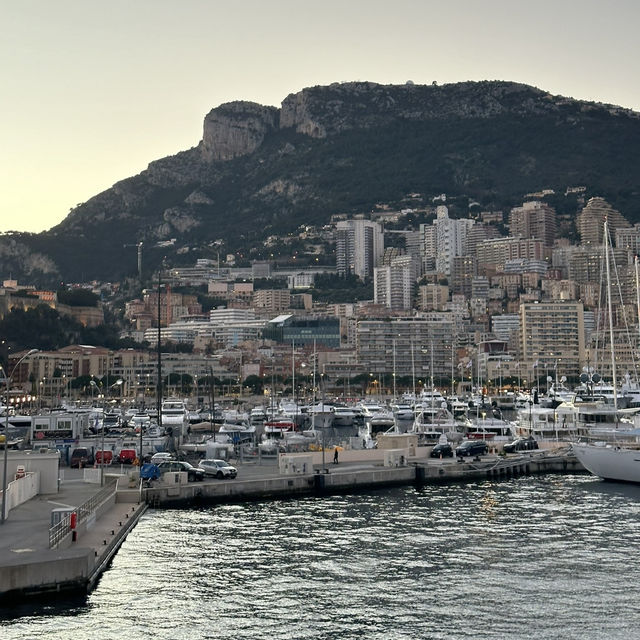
139, 245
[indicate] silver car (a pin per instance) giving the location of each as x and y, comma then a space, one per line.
218, 468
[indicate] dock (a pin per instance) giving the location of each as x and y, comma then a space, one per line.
37, 559
270, 483
34, 564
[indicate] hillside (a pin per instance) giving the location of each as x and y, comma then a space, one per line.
344, 148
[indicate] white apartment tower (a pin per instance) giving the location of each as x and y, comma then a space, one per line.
359, 247
392, 285
450, 236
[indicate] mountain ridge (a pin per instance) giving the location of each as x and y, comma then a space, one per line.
341, 148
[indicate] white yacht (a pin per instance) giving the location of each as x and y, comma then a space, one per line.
174, 417
547, 423
343, 416
402, 412
609, 461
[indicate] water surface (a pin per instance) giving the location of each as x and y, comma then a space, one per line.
534, 557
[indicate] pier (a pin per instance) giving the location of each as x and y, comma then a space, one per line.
268, 482
39, 557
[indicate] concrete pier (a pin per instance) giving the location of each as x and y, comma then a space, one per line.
28, 564
358, 476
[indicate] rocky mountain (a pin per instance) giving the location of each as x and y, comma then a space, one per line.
343, 148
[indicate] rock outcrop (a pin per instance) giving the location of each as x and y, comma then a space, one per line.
236, 129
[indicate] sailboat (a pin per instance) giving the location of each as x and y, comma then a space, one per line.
611, 461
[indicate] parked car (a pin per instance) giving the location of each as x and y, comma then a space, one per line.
442, 451
172, 466
472, 448
218, 468
521, 444
81, 457
127, 456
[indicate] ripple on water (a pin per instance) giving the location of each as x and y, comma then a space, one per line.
524, 558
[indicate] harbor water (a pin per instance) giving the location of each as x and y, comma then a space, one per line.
533, 557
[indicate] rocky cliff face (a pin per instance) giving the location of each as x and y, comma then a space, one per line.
341, 148
236, 129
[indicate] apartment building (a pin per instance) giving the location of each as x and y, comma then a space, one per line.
552, 334
359, 247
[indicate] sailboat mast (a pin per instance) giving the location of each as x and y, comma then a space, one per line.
637, 268
413, 371
613, 355
394, 369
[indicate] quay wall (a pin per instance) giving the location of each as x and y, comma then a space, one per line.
76, 567
55, 571
337, 479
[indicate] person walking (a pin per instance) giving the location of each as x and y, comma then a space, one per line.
335, 456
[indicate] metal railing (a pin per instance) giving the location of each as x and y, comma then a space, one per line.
58, 532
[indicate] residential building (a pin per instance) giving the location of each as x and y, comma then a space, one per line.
450, 239
590, 221
553, 333
534, 220
393, 284
359, 247
420, 348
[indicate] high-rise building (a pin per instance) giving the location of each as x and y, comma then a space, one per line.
392, 284
590, 221
464, 270
552, 335
534, 220
417, 347
450, 239
628, 239
359, 247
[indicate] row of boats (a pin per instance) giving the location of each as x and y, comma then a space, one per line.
604, 431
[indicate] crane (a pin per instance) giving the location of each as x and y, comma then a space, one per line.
139, 245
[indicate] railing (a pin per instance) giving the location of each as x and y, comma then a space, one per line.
62, 529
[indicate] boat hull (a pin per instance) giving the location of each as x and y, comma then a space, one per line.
609, 462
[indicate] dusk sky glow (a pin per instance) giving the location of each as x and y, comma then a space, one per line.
94, 91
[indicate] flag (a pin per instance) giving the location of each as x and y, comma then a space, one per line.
535, 364
469, 364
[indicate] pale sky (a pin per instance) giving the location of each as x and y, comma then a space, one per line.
92, 91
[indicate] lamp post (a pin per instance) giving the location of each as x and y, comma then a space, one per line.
117, 383
6, 435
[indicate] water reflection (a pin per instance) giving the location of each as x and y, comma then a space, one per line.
525, 558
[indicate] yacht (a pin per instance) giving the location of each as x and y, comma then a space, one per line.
609, 461
381, 420
174, 417
343, 416
402, 412
491, 428
547, 423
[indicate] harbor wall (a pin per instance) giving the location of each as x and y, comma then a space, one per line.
336, 479
46, 464
41, 573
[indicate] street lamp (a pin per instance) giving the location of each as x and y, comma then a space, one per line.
117, 383
6, 435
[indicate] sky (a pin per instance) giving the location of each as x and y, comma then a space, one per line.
92, 91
